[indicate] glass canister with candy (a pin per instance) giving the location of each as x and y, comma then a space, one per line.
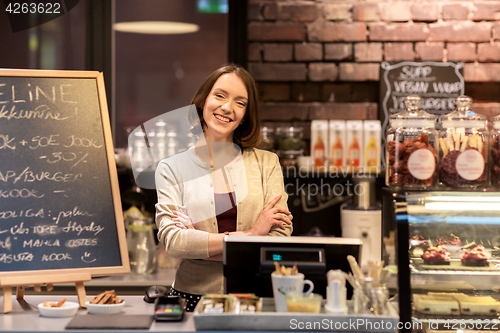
464, 146
411, 148
495, 153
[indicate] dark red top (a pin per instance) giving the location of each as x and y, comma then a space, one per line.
225, 208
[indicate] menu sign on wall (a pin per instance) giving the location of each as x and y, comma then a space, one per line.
437, 83
59, 198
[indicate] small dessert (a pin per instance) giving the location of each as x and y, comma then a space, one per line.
476, 256
107, 297
479, 306
472, 305
469, 246
283, 270
215, 303
55, 304
436, 255
436, 305
449, 240
418, 245
496, 251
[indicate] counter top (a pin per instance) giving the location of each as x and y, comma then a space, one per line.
25, 316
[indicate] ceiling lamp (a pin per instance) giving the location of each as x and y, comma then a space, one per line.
156, 27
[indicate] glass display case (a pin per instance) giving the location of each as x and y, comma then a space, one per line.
447, 245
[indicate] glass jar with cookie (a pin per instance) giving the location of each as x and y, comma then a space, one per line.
464, 147
411, 148
495, 153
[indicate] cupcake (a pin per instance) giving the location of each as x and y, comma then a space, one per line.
449, 240
476, 255
436, 255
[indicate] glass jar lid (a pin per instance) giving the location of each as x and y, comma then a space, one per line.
266, 129
290, 129
413, 115
496, 122
463, 116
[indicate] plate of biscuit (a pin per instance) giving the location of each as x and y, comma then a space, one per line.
58, 309
105, 303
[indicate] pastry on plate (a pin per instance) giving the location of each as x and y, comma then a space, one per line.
436, 255
476, 256
472, 305
449, 240
436, 305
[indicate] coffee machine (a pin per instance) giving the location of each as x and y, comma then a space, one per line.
362, 219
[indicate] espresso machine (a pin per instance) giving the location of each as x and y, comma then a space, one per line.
362, 218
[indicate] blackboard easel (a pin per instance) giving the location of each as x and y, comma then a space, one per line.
20, 282
61, 218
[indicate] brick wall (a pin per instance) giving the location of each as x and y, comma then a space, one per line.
320, 59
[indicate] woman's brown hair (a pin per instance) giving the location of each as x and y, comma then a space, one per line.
248, 134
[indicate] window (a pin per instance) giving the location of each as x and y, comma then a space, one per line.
156, 73
57, 44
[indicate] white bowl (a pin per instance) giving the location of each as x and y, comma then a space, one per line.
105, 308
68, 309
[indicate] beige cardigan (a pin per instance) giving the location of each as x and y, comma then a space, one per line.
185, 182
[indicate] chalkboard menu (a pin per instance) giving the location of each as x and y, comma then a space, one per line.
59, 197
437, 83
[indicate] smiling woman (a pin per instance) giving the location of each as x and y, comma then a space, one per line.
222, 186
233, 85
225, 108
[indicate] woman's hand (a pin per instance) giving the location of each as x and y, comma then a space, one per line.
268, 217
183, 221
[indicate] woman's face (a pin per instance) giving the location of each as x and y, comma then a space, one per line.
225, 108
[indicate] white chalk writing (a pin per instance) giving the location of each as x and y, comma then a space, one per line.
21, 94
40, 242
29, 176
40, 112
56, 257
7, 258
78, 228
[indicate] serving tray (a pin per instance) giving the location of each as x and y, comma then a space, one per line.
456, 266
269, 320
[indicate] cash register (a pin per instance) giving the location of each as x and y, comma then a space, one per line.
249, 261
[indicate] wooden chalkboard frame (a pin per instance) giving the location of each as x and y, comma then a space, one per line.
49, 276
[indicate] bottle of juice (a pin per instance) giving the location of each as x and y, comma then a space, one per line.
372, 152
319, 152
337, 145
337, 151
319, 144
354, 152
